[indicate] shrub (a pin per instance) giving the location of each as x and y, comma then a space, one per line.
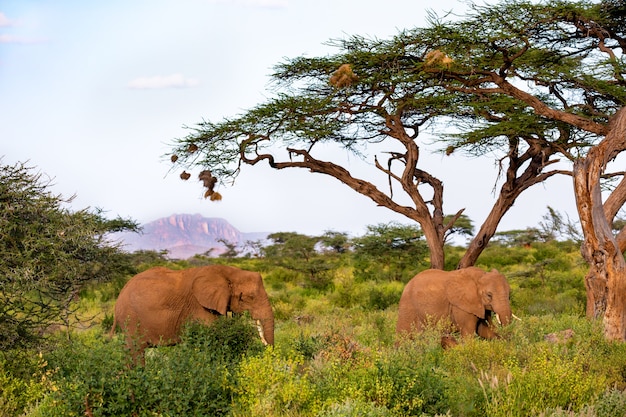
92, 375
272, 385
367, 295
193, 378
611, 403
380, 297
227, 340
549, 379
24, 379
350, 408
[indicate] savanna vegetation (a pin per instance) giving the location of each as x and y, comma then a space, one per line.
336, 353
538, 84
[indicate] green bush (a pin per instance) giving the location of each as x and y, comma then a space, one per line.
227, 340
380, 297
549, 379
92, 375
350, 408
273, 384
24, 379
279, 276
611, 403
367, 295
193, 378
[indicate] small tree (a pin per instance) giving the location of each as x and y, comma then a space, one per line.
461, 226
389, 250
231, 249
336, 242
297, 252
47, 254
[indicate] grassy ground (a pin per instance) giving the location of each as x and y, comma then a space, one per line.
336, 354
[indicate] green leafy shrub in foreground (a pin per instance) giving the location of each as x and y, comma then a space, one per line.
194, 378
24, 379
332, 367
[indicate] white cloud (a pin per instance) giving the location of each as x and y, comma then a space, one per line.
17, 39
163, 81
5, 21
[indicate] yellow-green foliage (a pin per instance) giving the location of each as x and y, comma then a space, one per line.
552, 377
18, 392
337, 354
273, 384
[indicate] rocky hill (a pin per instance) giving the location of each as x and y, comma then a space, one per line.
185, 235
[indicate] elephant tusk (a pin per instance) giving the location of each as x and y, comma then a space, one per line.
260, 330
498, 319
516, 318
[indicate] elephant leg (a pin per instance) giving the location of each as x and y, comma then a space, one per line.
136, 346
464, 322
485, 331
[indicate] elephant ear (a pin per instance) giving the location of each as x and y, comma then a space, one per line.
462, 293
212, 292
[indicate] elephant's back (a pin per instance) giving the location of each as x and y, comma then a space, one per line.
146, 286
429, 281
425, 294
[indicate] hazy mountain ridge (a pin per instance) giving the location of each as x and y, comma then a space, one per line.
185, 235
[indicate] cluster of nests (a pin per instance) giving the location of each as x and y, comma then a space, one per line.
207, 178
341, 78
344, 76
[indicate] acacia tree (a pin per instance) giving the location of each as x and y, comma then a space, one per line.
47, 254
535, 83
372, 95
299, 253
560, 67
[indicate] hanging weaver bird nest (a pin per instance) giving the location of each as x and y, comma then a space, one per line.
343, 77
208, 182
437, 59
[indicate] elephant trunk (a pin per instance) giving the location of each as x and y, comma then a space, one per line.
265, 322
266, 330
504, 315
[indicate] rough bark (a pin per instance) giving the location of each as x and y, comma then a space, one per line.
606, 279
515, 183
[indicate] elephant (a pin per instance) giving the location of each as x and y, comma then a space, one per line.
154, 305
467, 297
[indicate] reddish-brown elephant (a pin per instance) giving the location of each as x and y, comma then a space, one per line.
153, 306
467, 297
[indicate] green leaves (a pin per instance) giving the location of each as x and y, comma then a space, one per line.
389, 251
47, 253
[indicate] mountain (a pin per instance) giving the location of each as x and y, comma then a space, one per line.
185, 235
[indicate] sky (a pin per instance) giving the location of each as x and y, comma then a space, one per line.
92, 94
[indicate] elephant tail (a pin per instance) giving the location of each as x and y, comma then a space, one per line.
113, 327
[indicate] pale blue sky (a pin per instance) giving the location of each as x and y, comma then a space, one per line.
92, 93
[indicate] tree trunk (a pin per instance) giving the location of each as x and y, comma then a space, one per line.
434, 240
606, 280
515, 184
487, 230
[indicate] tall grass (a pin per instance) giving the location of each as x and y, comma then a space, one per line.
344, 363
336, 354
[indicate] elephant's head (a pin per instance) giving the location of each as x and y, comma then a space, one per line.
479, 292
495, 291
224, 288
